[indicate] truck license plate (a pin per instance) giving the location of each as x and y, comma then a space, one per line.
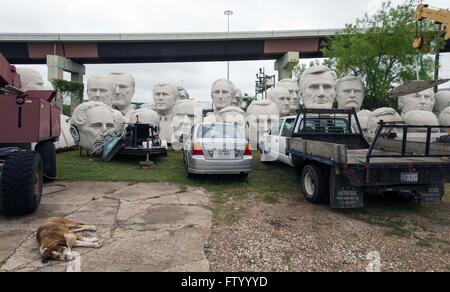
410, 177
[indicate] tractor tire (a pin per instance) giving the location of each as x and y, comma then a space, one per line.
47, 151
22, 182
315, 184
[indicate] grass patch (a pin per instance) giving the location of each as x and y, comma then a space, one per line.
287, 258
270, 182
424, 243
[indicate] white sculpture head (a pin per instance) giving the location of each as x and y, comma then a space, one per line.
237, 100
318, 87
420, 118
183, 94
442, 100
423, 100
281, 97
233, 115
382, 114
261, 116
31, 79
94, 124
102, 89
363, 117
350, 93
222, 93
444, 117
185, 115
294, 92
165, 96
125, 88
144, 116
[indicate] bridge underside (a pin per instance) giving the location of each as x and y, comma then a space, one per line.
160, 52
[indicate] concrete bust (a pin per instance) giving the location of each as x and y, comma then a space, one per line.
222, 93
442, 101
101, 89
281, 97
238, 96
294, 93
31, 79
444, 118
260, 118
165, 96
93, 124
318, 87
350, 93
186, 114
420, 118
382, 114
183, 94
125, 89
423, 100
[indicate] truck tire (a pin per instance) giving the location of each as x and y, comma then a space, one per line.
47, 151
314, 184
22, 182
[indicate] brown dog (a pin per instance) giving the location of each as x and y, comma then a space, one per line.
57, 236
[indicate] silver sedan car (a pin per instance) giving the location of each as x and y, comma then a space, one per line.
217, 148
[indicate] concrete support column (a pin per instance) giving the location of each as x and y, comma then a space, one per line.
57, 65
286, 64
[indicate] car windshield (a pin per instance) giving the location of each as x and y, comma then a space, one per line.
222, 131
328, 126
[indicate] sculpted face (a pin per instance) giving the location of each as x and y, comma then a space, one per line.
222, 94
237, 100
442, 101
95, 124
186, 114
261, 116
184, 95
423, 100
31, 79
350, 94
125, 88
294, 93
318, 87
281, 97
101, 89
233, 115
165, 96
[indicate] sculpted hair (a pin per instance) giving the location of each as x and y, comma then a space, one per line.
316, 70
233, 88
173, 89
126, 75
350, 78
94, 78
79, 117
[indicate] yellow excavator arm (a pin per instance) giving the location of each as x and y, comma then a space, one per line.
441, 16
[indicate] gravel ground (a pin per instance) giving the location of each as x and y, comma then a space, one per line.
294, 235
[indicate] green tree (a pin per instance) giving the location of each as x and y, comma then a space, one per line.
379, 49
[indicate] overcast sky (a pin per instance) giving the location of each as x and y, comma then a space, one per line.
150, 16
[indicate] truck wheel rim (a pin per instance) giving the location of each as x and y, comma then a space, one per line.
310, 185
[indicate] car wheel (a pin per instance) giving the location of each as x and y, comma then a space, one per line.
314, 184
22, 182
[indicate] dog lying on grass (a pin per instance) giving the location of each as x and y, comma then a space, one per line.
57, 236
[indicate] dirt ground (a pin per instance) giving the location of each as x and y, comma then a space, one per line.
294, 235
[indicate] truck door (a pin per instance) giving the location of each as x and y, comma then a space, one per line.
286, 132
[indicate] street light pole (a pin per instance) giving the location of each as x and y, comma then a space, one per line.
228, 13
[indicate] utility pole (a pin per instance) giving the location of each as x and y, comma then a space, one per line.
228, 13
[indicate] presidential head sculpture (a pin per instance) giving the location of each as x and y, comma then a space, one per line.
442, 101
125, 88
222, 93
185, 115
423, 100
183, 94
363, 118
101, 89
260, 118
350, 93
31, 79
420, 118
281, 97
233, 115
238, 96
144, 116
444, 118
318, 87
294, 93
165, 96
92, 124
384, 114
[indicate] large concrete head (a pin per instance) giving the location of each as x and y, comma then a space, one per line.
444, 117
165, 96
423, 101
144, 116
222, 93
384, 114
318, 87
183, 94
93, 124
233, 115
350, 93
294, 92
185, 115
101, 89
442, 100
420, 118
125, 88
260, 118
238, 96
31, 79
281, 97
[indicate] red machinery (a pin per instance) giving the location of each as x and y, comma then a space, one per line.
25, 118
